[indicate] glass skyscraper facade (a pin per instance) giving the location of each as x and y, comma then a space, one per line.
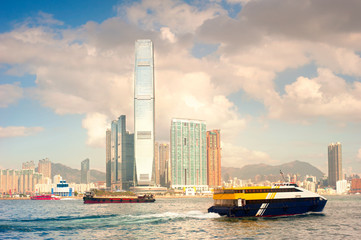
144, 112
164, 164
334, 164
85, 171
121, 155
108, 158
188, 153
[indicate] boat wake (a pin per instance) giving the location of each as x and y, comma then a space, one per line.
174, 215
61, 223
166, 217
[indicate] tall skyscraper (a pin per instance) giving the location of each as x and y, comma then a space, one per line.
108, 157
121, 155
144, 111
214, 158
334, 163
85, 171
44, 167
188, 153
164, 163
156, 176
161, 159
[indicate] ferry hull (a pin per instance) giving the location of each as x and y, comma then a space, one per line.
286, 208
44, 197
92, 200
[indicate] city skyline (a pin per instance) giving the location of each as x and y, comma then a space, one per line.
278, 91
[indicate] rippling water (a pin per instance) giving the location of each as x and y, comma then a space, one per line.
182, 218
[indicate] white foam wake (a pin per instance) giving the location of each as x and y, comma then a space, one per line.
175, 215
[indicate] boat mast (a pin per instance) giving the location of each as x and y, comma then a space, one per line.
283, 177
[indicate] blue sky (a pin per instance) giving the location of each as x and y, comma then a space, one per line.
280, 79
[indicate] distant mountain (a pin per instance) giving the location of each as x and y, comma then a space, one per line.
73, 175
251, 171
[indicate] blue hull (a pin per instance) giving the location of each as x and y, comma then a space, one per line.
272, 209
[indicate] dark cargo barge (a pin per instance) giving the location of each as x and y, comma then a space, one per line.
89, 198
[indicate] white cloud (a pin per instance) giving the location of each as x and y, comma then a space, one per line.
326, 95
179, 16
238, 156
166, 34
18, 131
96, 124
10, 93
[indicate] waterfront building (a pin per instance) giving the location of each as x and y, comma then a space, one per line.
342, 187
62, 189
19, 181
188, 154
85, 171
355, 185
121, 155
44, 167
334, 164
8, 181
108, 158
164, 164
214, 158
144, 112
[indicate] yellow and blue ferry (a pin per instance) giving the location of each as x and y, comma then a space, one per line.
282, 199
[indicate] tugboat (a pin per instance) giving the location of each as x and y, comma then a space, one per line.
281, 199
91, 198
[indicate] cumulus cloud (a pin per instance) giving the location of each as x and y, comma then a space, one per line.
96, 124
9, 93
326, 95
18, 131
238, 156
177, 15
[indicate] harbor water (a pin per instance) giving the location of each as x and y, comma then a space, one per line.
170, 218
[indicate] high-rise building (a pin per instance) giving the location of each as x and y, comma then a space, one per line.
114, 154
156, 177
144, 112
164, 164
85, 171
214, 158
108, 158
188, 153
334, 163
121, 155
28, 165
19, 181
161, 159
44, 167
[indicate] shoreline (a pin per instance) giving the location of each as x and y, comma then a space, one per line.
80, 198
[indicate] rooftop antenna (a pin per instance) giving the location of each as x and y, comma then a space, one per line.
283, 177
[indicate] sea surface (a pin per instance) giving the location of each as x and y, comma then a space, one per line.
170, 218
